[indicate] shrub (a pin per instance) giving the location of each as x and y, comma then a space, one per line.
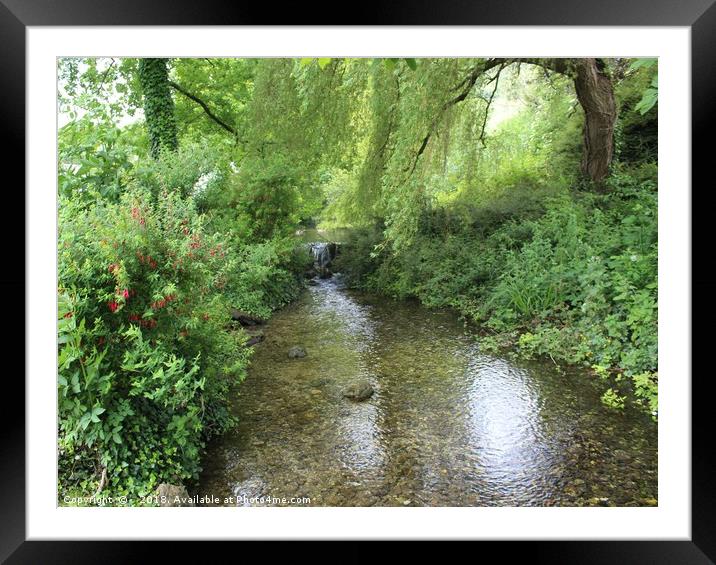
193, 170
268, 192
267, 276
145, 361
357, 259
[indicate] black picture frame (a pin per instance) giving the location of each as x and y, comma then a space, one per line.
699, 15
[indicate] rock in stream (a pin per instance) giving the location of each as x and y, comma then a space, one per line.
361, 390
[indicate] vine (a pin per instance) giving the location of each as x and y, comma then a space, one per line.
158, 105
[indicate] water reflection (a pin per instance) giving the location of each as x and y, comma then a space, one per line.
505, 425
446, 426
360, 448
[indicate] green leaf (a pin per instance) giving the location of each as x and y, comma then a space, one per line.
323, 62
648, 101
85, 420
305, 61
412, 63
642, 63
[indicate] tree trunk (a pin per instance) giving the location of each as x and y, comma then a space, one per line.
158, 105
596, 96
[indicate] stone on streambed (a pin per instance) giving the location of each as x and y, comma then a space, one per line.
296, 352
255, 338
173, 495
361, 390
245, 319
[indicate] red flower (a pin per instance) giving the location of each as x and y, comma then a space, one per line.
113, 306
125, 293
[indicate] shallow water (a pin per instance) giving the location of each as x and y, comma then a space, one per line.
446, 426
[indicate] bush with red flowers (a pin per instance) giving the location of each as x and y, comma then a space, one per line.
145, 359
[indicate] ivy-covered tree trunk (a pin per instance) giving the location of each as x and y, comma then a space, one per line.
158, 105
596, 96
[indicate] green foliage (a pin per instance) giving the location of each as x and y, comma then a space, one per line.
268, 194
153, 253
144, 360
266, 277
651, 94
577, 283
472, 204
612, 399
193, 170
359, 258
636, 135
225, 86
646, 388
158, 105
95, 159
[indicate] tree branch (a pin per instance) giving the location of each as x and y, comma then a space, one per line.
466, 86
104, 76
496, 78
204, 106
560, 66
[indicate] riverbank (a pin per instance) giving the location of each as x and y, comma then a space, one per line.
571, 277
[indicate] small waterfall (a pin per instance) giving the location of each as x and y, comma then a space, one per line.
323, 254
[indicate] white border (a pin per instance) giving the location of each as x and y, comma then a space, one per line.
671, 520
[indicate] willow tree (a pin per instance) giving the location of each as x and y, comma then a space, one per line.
595, 93
413, 111
158, 105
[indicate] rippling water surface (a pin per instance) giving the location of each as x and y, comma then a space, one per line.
446, 426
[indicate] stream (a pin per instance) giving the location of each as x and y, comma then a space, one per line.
447, 425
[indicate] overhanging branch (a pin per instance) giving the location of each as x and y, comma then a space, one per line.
464, 89
204, 106
496, 79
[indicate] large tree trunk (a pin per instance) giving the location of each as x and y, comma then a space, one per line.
596, 96
158, 105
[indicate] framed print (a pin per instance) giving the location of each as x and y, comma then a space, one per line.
425, 275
